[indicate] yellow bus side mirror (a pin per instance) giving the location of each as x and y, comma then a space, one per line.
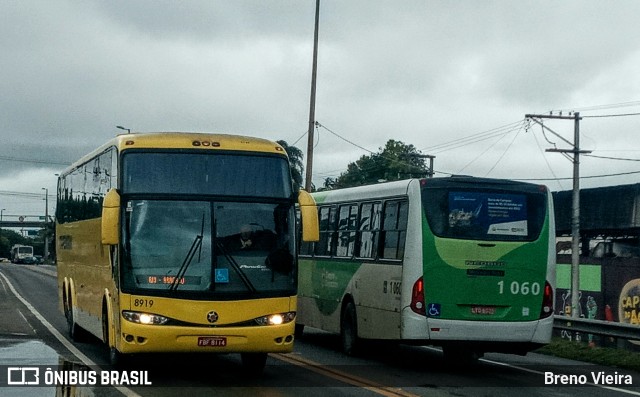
309, 216
111, 218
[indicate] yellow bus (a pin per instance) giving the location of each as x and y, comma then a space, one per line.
182, 242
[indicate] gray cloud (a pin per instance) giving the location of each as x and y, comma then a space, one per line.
423, 72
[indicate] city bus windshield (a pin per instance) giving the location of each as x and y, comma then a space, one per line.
505, 213
207, 248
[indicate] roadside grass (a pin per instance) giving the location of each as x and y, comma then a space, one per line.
581, 351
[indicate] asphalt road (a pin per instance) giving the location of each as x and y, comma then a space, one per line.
33, 335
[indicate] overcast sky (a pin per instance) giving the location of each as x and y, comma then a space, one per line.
453, 78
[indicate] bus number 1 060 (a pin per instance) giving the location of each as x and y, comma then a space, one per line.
517, 288
392, 287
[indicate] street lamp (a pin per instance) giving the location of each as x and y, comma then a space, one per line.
1, 213
46, 223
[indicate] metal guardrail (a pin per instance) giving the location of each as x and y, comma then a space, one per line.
597, 327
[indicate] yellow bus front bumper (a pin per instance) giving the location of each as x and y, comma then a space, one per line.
140, 338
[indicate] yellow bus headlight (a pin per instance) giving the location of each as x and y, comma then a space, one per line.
276, 319
144, 318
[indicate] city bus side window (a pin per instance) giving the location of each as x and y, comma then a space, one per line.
394, 229
403, 217
333, 234
327, 229
347, 226
369, 229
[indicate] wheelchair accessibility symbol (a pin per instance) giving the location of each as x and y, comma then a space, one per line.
222, 276
433, 310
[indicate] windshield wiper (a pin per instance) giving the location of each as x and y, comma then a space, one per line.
196, 247
236, 267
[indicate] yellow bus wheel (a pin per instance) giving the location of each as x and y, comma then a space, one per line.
75, 331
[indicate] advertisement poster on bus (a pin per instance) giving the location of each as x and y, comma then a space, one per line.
488, 213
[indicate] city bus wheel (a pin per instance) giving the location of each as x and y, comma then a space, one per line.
116, 358
254, 363
105, 324
349, 330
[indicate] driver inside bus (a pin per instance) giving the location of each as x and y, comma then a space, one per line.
240, 241
245, 237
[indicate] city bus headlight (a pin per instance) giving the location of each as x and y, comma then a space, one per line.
276, 319
144, 318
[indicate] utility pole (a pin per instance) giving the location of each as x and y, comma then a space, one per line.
1, 214
431, 157
312, 105
46, 225
575, 214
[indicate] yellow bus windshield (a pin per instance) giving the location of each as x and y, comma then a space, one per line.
208, 248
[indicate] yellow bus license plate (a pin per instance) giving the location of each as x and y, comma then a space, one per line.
212, 341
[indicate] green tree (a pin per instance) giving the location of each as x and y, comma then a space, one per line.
4, 245
295, 163
393, 162
329, 183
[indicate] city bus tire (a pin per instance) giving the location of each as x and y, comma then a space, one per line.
254, 363
116, 358
349, 330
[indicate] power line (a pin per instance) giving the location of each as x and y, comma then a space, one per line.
508, 128
344, 139
500, 132
545, 157
611, 158
611, 115
38, 196
7, 158
582, 177
395, 160
301, 136
505, 151
481, 154
475, 138
599, 107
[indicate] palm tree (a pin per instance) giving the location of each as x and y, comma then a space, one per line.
295, 163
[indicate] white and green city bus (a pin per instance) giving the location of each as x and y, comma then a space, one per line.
461, 262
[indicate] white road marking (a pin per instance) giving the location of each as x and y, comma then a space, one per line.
74, 350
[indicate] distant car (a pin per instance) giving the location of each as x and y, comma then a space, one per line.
39, 259
4, 260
